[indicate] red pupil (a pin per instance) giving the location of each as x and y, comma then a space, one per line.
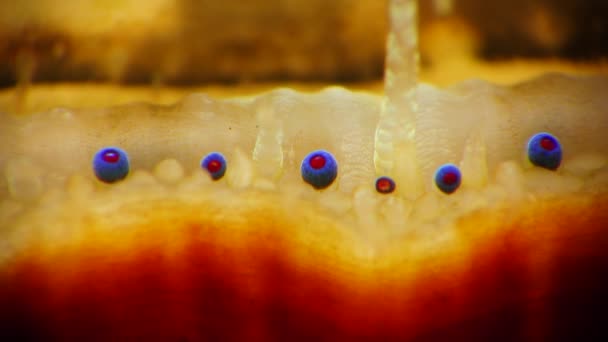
214, 166
450, 178
547, 143
384, 185
317, 162
110, 156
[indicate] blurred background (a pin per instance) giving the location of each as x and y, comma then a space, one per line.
193, 42
99, 53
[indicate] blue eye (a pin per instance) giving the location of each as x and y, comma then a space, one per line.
447, 178
545, 151
215, 164
385, 185
319, 169
111, 164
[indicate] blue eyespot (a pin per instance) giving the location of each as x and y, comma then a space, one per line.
111, 164
385, 185
448, 178
544, 150
319, 169
215, 164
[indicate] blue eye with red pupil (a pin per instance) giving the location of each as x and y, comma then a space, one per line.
319, 169
385, 185
545, 151
215, 164
111, 164
448, 178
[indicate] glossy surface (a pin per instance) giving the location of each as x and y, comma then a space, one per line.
385, 185
544, 150
448, 178
319, 169
111, 164
215, 164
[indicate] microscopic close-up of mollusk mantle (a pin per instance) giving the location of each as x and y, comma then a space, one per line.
399, 170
